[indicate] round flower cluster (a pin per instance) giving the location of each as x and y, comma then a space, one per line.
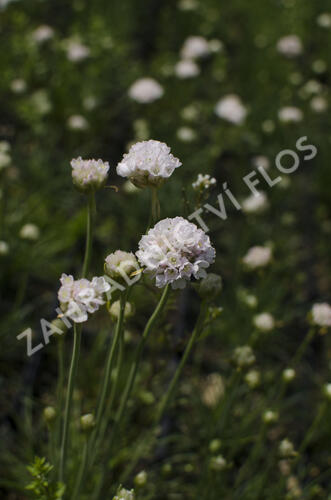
186, 68
80, 297
255, 204
203, 182
124, 494
264, 322
321, 314
76, 51
231, 108
29, 232
195, 47
257, 257
243, 356
145, 90
89, 174
174, 251
42, 33
290, 46
148, 163
290, 114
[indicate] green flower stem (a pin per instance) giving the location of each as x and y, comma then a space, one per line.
312, 429
156, 209
109, 368
68, 404
172, 387
132, 375
82, 470
303, 346
88, 246
60, 385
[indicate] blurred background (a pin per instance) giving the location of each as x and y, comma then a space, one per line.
229, 85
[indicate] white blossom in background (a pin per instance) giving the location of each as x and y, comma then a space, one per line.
264, 322
268, 126
18, 86
243, 356
319, 66
203, 182
42, 33
77, 122
76, 51
186, 68
174, 251
312, 87
257, 257
190, 113
290, 114
148, 163
290, 46
286, 448
90, 102
253, 378
195, 47
124, 494
319, 104
212, 390
255, 204
41, 102
261, 161
29, 232
4, 248
231, 108
324, 20
215, 45
186, 134
5, 158
321, 314
145, 90
187, 5
327, 390
78, 298
89, 174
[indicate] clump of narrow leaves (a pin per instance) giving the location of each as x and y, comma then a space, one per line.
42, 487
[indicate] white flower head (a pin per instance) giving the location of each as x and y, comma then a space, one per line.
4, 248
18, 86
29, 232
81, 297
186, 134
257, 257
264, 322
186, 68
231, 109
203, 182
174, 251
124, 494
195, 47
77, 122
212, 390
145, 90
290, 46
5, 158
321, 314
319, 104
255, 204
89, 174
290, 114
243, 356
148, 163
42, 33
76, 51
261, 161
253, 378
324, 20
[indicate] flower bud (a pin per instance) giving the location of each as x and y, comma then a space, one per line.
253, 378
215, 445
29, 232
141, 478
286, 449
58, 324
270, 416
288, 374
264, 322
87, 422
114, 310
4, 248
49, 414
210, 286
218, 463
327, 391
120, 265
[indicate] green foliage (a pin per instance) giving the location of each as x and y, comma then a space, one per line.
42, 486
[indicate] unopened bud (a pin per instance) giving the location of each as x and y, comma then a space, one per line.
115, 308
270, 416
218, 463
288, 374
87, 422
49, 414
141, 478
215, 445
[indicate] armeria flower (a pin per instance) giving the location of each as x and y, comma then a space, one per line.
76, 51
212, 390
203, 182
264, 322
321, 314
261, 161
231, 108
42, 33
124, 494
243, 356
186, 134
319, 104
195, 47
255, 204
257, 256
5, 158
29, 232
290, 46
145, 90
89, 174
290, 114
186, 69
324, 20
174, 251
4, 247
120, 264
77, 122
80, 297
148, 163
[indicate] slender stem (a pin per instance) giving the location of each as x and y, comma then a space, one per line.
303, 346
68, 404
109, 367
88, 246
156, 209
172, 387
311, 431
81, 472
133, 372
60, 385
